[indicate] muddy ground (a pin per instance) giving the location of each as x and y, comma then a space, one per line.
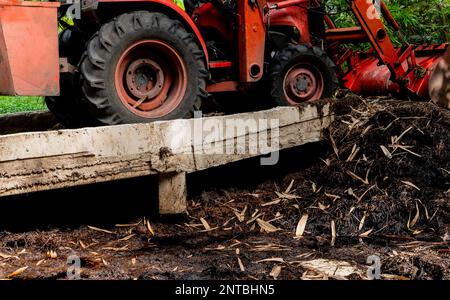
377, 187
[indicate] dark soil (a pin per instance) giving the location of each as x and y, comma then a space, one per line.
392, 203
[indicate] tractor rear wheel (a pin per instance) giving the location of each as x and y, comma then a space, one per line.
142, 67
67, 107
301, 73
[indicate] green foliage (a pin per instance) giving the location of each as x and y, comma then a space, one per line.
428, 19
19, 104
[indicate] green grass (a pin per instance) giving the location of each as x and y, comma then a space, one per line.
10, 104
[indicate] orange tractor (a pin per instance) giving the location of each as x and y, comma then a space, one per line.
131, 61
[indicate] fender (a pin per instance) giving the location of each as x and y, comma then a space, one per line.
293, 16
168, 4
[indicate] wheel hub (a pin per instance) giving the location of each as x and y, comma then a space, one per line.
151, 78
303, 83
144, 78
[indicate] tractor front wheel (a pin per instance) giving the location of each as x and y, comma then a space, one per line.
301, 73
143, 67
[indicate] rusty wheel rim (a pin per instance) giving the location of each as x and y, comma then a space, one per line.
151, 78
303, 82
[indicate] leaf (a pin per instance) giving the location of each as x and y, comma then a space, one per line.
323, 207
366, 233
150, 228
100, 229
127, 237
301, 225
52, 254
335, 148
353, 154
354, 176
276, 270
386, 152
361, 223
205, 224
3, 255
124, 248
289, 187
411, 184
267, 227
273, 259
416, 217
333, 229
241, 265
17, 272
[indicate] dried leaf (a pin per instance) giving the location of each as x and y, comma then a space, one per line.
5, 256
273, 259
361, 223
241, 265
150, 228
386, 152
366, 233
40, 262
301, 225
333, 228
124, 248
411, 185
323, 207
127, 237
289, 187
267, 226
105, 263
416, 217
205, 224
354, 152
52, 254
276, 270
100, 229
17, 272
354, 176
335, 148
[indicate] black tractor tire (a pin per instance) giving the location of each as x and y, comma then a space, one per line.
297, 55
67, 107
103, 55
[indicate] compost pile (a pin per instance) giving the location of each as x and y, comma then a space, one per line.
387, 173
379, 186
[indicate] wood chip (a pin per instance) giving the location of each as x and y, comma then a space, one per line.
361, 223
333, 232
17, 272
267, 227
416, 217
273, 259
127, 237
52, 254
386, 152
276, 270
333, 144
301, 225
100, 229
150, 228
124, 248
205, 224
367, 233
288, 189
408, 183
241, 265
5, 256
